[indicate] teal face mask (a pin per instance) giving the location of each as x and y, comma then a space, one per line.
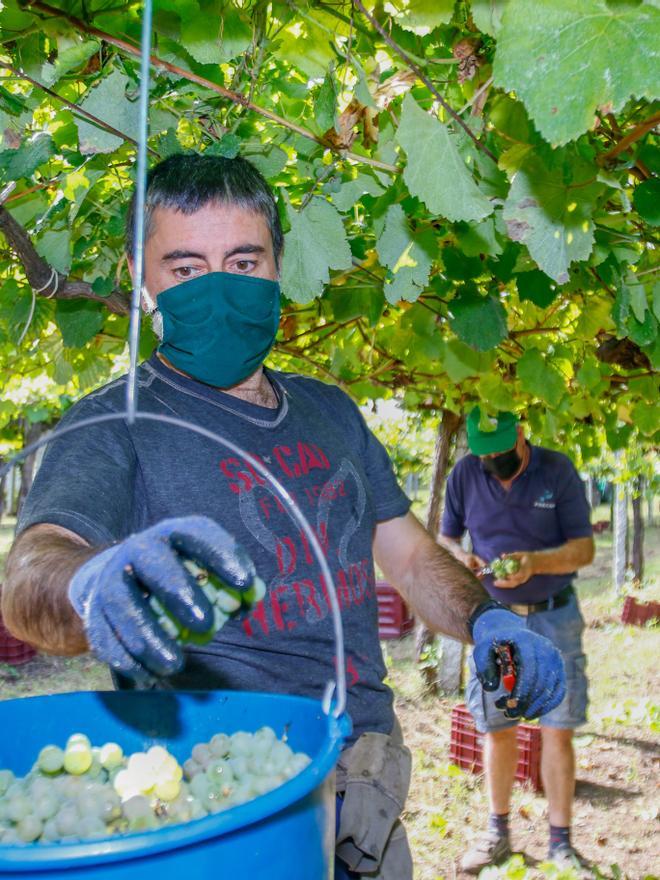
219, 327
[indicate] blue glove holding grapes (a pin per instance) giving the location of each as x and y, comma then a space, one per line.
539, 669
113, 593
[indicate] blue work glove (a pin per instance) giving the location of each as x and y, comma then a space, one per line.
111, 592
539, 668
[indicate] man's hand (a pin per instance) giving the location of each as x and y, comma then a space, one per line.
111, 591
472, 561
540, 679
526, 561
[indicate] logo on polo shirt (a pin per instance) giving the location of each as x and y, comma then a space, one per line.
544, 501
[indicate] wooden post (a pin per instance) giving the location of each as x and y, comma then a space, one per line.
638, 531
31, 433
424, 638
619, 530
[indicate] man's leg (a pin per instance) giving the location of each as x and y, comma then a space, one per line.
501, 760
558, 774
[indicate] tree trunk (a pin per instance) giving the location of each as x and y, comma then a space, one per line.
31, 433
638, 532
449, 425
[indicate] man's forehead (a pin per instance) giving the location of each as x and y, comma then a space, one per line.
216, 220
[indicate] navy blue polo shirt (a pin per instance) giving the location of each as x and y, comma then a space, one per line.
545, 507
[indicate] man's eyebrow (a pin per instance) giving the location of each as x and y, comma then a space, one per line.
245, 249
182, 255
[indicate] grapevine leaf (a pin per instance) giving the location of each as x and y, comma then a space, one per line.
325, 103
540, 378
408, 260
68, 59
460, 361
315, 244
422, 16
646, 417
54, 245
79, 321
435, 171
24, 161
566, 59
487, 15
353, 190
638, 302
536, 287
108, 102
552, 214
480, 321
646, 199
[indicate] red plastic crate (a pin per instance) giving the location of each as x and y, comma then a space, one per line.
12, 650
639, 613
466, 747
394, 616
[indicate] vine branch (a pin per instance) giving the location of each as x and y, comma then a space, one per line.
234, 97
41, 275
423, 78
638, 132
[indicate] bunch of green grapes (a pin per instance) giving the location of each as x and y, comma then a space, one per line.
502, 568
225, 600
82, 792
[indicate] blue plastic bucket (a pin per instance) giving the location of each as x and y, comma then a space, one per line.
286, 834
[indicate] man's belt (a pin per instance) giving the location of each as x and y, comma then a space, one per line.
556, 601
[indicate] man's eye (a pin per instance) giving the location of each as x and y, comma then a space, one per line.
184, 271
244, 265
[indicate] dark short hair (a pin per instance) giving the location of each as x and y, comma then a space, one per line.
189, 181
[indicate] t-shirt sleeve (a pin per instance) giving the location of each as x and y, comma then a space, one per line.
389, 499
453, 515
84, 481
573, 511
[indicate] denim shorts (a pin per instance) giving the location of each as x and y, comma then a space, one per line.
564, 627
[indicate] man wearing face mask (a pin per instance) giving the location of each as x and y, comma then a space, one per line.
115, 507
527, 503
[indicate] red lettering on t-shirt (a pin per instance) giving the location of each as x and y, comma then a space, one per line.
287, 556
306, 595
239, 480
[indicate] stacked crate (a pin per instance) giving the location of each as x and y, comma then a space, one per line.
639, 613
394, 617
466, 747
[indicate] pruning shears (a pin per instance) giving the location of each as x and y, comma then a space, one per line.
507, 672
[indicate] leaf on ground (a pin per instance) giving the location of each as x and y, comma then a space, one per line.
480, 321
565, 59
315, 244
435, 171
540, 378
549, 209
108, 102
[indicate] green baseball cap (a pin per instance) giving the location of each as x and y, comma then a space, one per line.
502, 437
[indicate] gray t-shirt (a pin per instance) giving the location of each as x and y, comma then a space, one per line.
107, 481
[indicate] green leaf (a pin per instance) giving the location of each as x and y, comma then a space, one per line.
621, 309
325, 103
315, 244
589, 374
646, 417
24, 161
536, 287
487, 15
496, 393
108, 102
54, 245
347, 304
549, 210
642, 332
460, 361
449, 190
540, 378
565, 59
78, 320
228, 146
480, 321
422, 16
638, 301
268, 160
69, 58
409, 261
353, 190
478, 239
646, 199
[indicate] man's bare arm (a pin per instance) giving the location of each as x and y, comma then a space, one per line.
440, 589
35, 604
